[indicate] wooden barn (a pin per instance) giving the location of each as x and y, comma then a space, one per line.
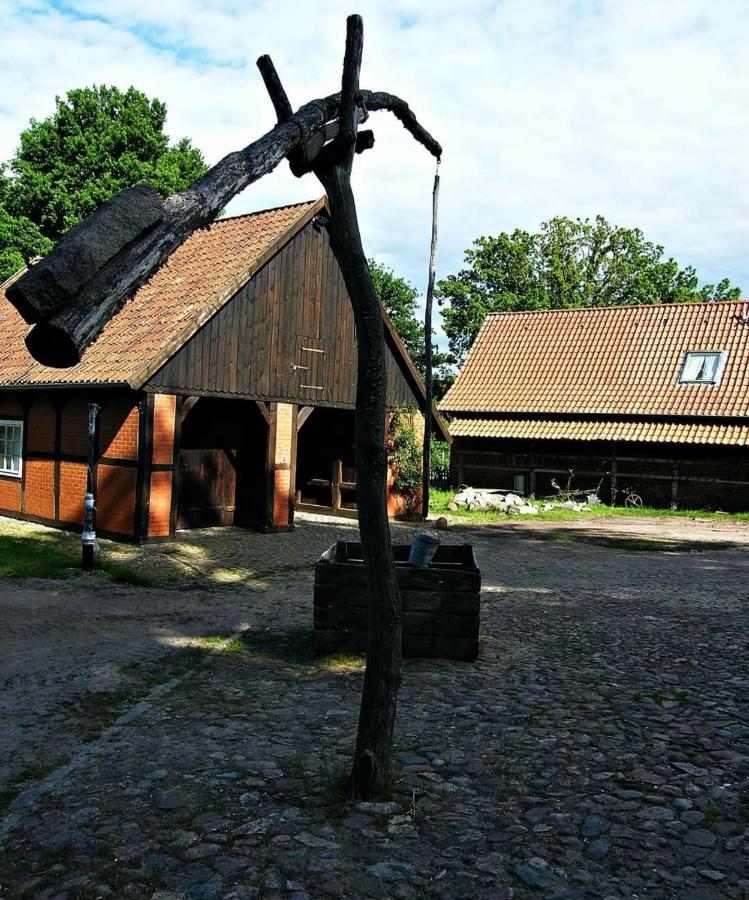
653, 399
226, 389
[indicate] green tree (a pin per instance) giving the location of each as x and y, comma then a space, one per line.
98, 142
20, 238
400, 300
567, 263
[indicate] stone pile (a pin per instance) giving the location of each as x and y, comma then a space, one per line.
509, 503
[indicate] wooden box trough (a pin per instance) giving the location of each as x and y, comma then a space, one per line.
440, 603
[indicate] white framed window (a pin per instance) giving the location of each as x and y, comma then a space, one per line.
702, 367
11, 447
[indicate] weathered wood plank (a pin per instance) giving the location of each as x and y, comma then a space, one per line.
452, 602
343, 640
414, 623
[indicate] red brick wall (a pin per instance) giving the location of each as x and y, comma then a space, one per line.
72, 489
160, 506
34, 495
10, 486
165, 406
39, 488
74, 435
9, 407
40, 426
115, 498
118, 427
10, 494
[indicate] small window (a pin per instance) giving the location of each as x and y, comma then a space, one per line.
702, 367
11, 444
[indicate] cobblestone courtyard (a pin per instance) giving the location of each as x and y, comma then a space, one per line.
599, 748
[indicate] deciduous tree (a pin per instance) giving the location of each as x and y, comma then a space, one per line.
401, 302
98, 141
567, 263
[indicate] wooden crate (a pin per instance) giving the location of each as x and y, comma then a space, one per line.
440, 603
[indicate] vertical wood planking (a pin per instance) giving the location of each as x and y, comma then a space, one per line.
248, 348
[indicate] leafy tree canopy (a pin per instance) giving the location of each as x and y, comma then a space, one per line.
98, 142
568, 263
400, 300
20, 238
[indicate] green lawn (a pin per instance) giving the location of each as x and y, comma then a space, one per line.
45, 553
438, 501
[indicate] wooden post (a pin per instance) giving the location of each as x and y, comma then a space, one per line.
279, 501
336, 477
532, 476
675, 485
613, 475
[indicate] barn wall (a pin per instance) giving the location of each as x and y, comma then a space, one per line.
689, 475
287, 335
53, 483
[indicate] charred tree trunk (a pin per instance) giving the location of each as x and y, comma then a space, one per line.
372, 757
374, 740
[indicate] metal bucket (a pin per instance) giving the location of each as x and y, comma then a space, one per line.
423, 548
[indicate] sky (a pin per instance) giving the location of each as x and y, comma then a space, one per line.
634, 109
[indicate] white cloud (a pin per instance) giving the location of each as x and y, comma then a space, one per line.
635, 110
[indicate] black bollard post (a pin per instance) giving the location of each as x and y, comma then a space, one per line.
88, 537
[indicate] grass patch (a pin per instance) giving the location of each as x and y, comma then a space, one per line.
438, 501
50, 554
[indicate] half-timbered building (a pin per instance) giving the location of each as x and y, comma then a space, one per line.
225, 386
646, 399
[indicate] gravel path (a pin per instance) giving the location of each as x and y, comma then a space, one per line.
599, 747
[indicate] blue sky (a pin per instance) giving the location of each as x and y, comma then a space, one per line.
636, 110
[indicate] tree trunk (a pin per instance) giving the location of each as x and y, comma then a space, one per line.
372, 763
372, 758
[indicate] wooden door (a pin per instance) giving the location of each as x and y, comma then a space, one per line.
208, 488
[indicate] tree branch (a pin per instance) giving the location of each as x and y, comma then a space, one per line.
350, 82
275, 89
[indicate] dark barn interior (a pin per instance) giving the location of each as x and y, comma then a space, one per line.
326, 466
222, 457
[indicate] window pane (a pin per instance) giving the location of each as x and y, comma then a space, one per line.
692, 366
711, 365
11, 447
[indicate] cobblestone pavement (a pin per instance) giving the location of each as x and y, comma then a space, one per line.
599, 748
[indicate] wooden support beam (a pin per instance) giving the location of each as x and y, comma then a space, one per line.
304, 413
336, 478
187, 404
280, 464
264, 410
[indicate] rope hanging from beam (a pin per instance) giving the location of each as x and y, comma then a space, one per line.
427, 458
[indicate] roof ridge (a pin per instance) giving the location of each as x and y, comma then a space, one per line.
259, 212
590, 309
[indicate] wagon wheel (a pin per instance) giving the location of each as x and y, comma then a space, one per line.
633, 500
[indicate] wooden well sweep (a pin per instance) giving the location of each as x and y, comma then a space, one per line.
440, 604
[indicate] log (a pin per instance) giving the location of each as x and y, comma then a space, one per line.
63, 332
84, 251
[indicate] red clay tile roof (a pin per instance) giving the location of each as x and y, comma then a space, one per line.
610, 361
577, 430
198, 278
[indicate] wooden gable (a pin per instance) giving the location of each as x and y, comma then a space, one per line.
286, 335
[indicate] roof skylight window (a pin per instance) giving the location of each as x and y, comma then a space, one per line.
702, 367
